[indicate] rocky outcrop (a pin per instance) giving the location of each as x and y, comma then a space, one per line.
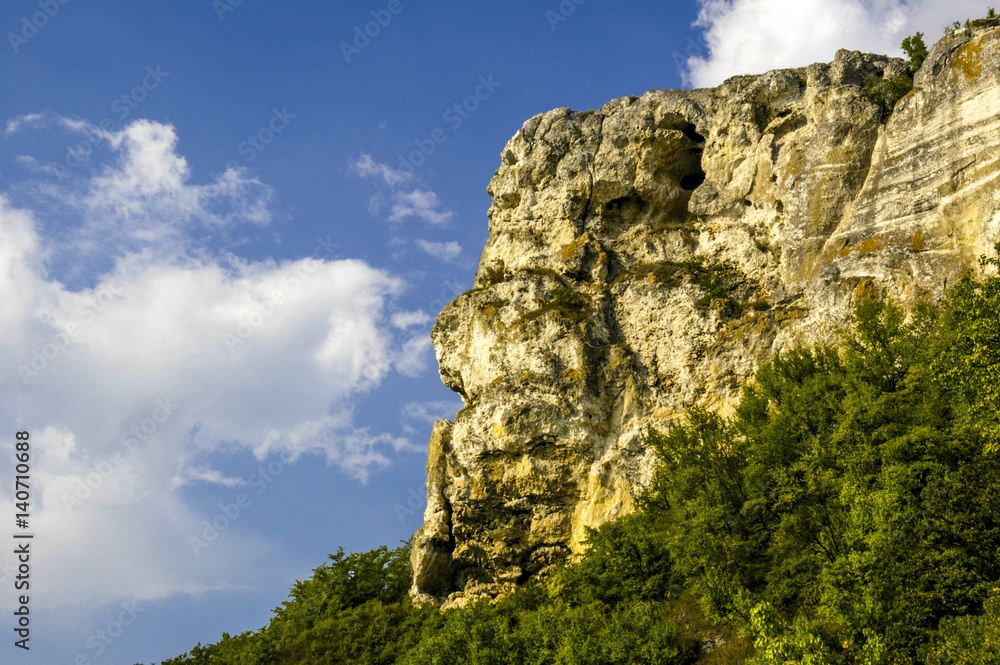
649, 256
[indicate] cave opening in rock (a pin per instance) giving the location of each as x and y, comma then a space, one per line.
694, 175
692, 181
691, 132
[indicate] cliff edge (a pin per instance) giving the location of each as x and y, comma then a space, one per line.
648, 256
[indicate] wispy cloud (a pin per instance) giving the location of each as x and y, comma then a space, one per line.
412, 357
146, 195
14, 124
207, 476
404, 202
446, 251
404, 320
431, 411
420, 204
367, 167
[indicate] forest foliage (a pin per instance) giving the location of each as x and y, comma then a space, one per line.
847, 513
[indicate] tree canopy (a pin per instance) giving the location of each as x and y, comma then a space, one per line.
847, 513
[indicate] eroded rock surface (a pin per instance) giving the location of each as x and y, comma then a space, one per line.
649, 256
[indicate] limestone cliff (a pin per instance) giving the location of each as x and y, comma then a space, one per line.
649, 256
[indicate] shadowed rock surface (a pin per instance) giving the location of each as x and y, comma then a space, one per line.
648, 256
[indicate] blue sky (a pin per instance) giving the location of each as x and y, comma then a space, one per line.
225, 231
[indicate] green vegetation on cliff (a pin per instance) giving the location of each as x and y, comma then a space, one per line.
848, 513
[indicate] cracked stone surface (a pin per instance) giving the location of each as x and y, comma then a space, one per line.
648, 256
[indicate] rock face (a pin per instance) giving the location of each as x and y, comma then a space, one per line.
648, 256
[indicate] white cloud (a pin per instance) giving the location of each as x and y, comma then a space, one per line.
134, 385
144, 199
419, 203
34, 166
353, 449
754, 36
367, 167
14, 124
404, 320
206, 476
446, 251
412, 358
242, 348
431, 411
146, 195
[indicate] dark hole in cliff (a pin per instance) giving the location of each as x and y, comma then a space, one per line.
691, 132
693, 175
692, 181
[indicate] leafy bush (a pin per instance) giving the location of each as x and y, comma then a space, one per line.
886, 93
625, 560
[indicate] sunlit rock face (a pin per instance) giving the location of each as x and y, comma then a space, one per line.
648, 257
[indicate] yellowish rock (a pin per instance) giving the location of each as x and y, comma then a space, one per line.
648, 257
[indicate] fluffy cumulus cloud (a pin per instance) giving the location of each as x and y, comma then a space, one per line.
754, 36
132, 385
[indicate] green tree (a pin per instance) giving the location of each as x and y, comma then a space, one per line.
916, 49
625, 560
847, 513
844, 510
970, 639
968, 355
